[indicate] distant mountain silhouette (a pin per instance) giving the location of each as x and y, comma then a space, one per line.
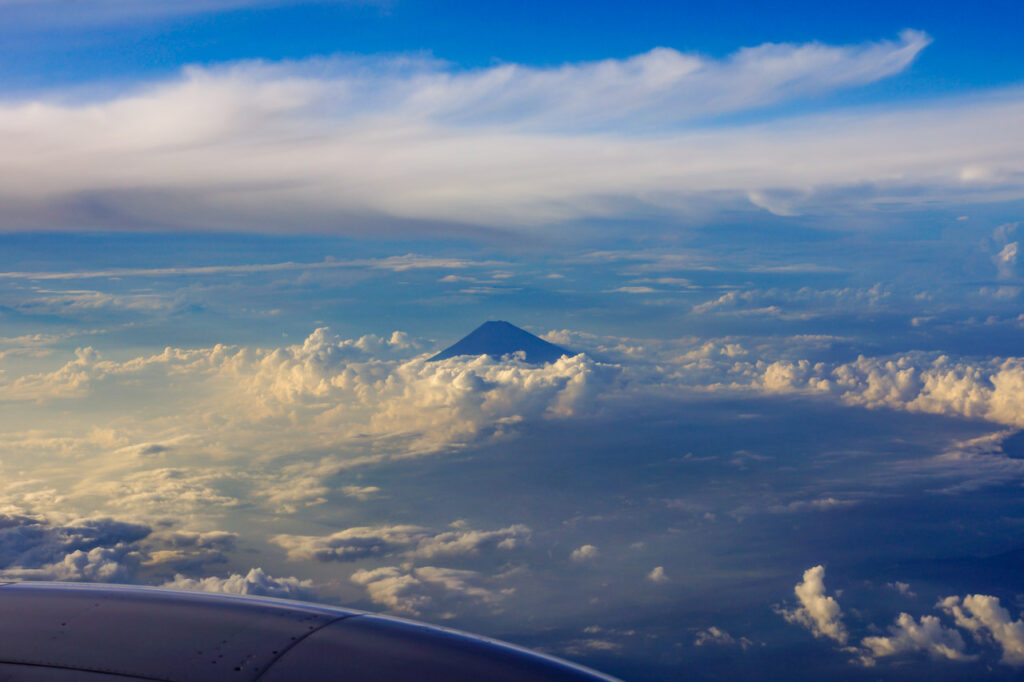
499, 338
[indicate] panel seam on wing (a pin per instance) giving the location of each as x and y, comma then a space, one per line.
299, 640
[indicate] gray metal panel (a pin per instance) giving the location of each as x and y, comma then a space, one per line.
58, 632
371, 649
13, 672
150, 633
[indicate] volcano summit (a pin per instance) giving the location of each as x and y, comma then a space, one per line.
498, 338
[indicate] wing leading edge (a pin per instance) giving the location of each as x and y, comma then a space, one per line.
55, 632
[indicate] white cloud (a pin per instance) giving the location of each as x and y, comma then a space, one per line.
981, 615
99, 564
361, 542
589, 646
351, 544
56, 547
907, 635
413, 590
717, 636
1006, 260
584, 554
902, 588
984, 617
256, 582
634, 290
392, 263
802, 303
820, 504
188, 550
30, 542
82, 302
328, 390
658, 575
361, 493
817, 611
917, 382
66, 15
471, 542
298, 143
167, 490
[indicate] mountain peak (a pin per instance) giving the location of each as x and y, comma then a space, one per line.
497, 338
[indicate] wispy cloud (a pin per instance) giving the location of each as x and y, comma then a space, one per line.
64, 13
393, 263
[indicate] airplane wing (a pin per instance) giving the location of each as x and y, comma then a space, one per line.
59, 632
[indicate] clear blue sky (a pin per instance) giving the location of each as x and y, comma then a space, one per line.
48, 42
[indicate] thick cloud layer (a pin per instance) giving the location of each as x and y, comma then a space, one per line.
992, 390
255, 145
340, 389
53, 547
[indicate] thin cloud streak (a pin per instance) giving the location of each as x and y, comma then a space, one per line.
393, 263
62, 14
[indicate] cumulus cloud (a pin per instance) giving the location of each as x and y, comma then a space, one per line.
453, 399
1006, 260
658, 575
716, 636
337, 388
255, 582
1005, 250
34, 546
584, 554
984, 617
817, 611
981, 615
471, 542
508, 145
918, 382
908, 635
412, 590
99, 564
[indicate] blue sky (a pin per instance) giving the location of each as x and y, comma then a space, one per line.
64, 42
784, 240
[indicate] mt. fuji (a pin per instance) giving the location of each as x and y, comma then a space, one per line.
498, 338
